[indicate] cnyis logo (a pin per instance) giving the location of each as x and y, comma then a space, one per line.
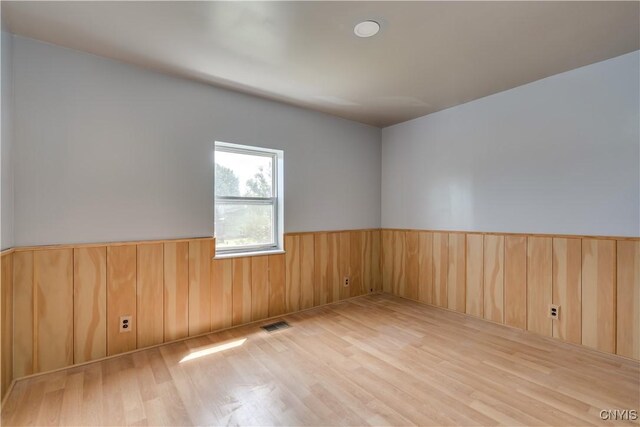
619, 414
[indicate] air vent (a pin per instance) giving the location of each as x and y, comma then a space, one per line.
275, 326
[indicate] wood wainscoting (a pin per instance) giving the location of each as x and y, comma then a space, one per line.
6, 320
513, 279
61, 305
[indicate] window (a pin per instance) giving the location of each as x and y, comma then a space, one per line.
248, 198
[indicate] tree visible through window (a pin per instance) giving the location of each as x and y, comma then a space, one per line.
246, 198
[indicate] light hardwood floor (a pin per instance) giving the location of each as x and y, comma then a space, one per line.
377, 360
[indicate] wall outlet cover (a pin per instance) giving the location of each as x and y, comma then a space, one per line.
125, 323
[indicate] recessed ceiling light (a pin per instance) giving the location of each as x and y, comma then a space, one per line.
366, 29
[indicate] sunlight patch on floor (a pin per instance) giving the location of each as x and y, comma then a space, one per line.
217, 348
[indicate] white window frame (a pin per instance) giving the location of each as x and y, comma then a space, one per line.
277, 201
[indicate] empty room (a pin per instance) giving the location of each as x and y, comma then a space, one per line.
318, 213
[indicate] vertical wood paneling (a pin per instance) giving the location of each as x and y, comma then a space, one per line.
6, 345
475, 275
567, 289
430, 267
598, 294
23, 313
344, 262
539, 284
89, 303
398, 277
515, 281
292, 276
493, 278
425, 275
150, 295
628, 294
241, 290
412, 264
327, 274
440, 265
366, 262
376, 260
200, 253
320, 295
176, 290
357, 255
334, 280
221, 294
121, 297
386, 250
456, 293
307, 271
276, 285
259, 287
53, 279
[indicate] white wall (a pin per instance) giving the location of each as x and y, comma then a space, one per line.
560, 155
106, 151
6, 144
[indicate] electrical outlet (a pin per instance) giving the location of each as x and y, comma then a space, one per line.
554, 311
125, 323
346, 281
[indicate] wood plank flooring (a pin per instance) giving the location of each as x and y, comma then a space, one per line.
373, 360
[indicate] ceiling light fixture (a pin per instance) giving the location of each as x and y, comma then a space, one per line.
366, 29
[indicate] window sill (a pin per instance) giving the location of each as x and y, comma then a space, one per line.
248, 254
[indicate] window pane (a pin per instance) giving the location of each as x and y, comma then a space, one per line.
243, 175
241, 224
